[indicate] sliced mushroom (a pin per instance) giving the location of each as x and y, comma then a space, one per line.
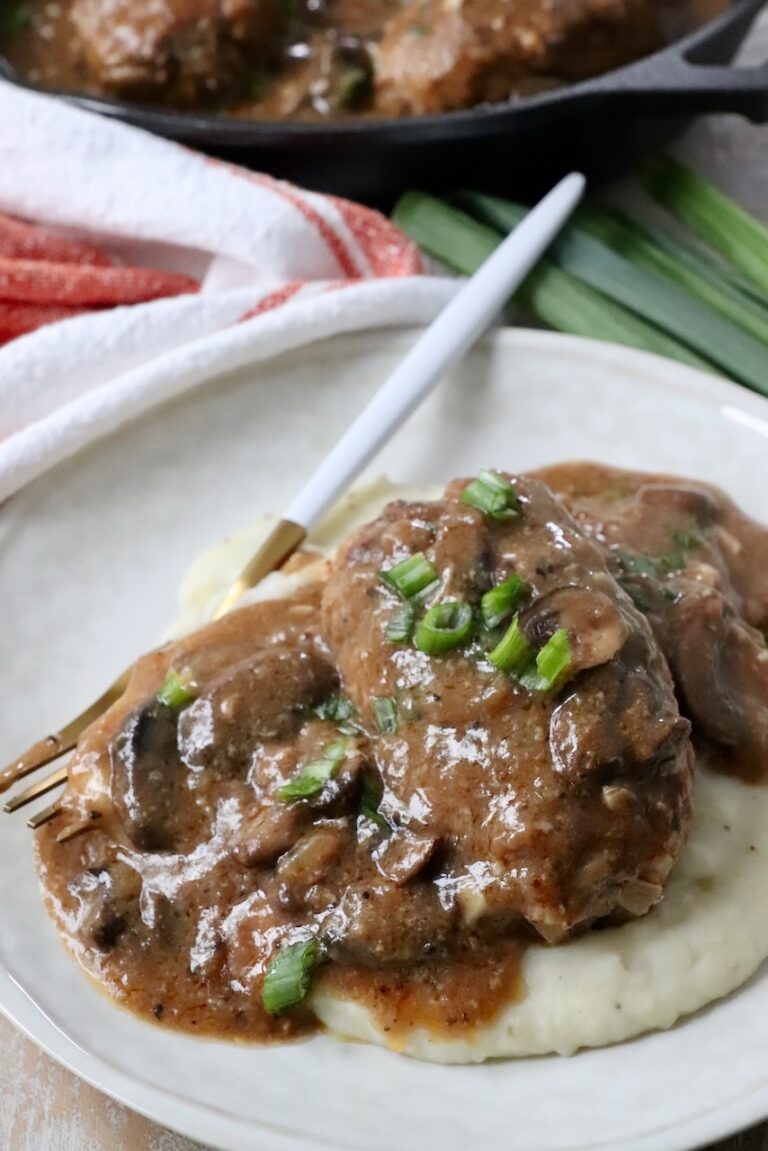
596, 629
262, 699
622, 720
721, 668
110, 897
386, 924
698, 506
147, 777
270, 833
339, 793
404, 854
311, 859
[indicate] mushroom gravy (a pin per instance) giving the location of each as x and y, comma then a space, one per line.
303, 773
330, 59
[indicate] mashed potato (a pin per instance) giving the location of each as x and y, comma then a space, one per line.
707, 936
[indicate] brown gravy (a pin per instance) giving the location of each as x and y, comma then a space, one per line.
447, 999
332, 59
481, 813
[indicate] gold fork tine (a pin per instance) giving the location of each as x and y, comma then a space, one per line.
281, 542
58, 744
40, 788
45, 815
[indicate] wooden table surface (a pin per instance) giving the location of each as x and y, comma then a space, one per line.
45, 1108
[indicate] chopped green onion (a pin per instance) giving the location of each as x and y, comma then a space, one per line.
408, 706
720, 222
338, 710
255, 84
400, 626
493, 495
289, 976
353, 89
411, 576
632, 564
686, 538
445, 626
552, 662
385, 714
312, 778
513, 653
369, 804
17, 18
499, 603
178, 689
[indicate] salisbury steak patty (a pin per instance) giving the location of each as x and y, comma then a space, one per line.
698, 568
184, 49
340, 772
555, 807
436, 55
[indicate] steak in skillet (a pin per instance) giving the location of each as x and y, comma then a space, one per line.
179, 51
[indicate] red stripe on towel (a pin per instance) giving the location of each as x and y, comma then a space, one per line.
274, 300
20, 240
388, 250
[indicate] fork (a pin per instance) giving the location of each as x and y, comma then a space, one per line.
444, 342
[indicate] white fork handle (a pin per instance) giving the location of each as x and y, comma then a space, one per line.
444, 342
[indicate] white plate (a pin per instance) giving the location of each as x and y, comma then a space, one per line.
90, 557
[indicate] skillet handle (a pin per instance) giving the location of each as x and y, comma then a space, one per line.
681, 86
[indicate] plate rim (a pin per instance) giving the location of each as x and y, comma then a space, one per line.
199, 1121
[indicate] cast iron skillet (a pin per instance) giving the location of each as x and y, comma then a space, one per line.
599, 126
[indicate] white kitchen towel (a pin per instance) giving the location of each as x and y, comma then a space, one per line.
280, 267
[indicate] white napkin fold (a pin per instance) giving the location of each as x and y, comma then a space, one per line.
272, 259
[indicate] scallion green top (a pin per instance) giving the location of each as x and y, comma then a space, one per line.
552, 662
410, 577
313, 776
499, 603
289, 976
178, 689
493, 495
513, 653
385, 714
444, 627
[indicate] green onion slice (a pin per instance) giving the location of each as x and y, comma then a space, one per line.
552, 662
400, 626
513, 654
369, 804
17, 18
445, 626
385, 714
338, 710
499, 603
411, 576
493, 495
289, 976
313, 777
178, 689
638, 565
